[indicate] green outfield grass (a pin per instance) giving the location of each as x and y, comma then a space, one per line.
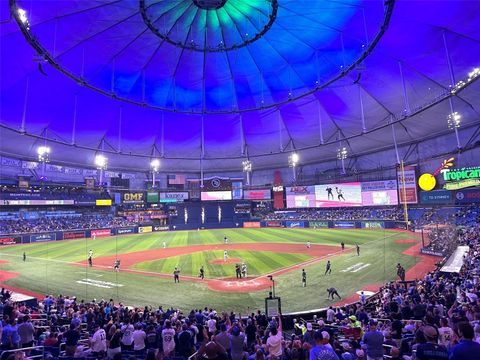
48, 268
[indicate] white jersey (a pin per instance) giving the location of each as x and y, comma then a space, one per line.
225, 254
168, 340
99, 341
90, 254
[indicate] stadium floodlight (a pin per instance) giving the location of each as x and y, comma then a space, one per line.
293, 159
454, 120
247, 166
155, 165
101, 162
43, 153
292, 162
247, 169
342, 153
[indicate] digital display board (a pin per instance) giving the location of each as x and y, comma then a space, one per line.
216, 195
338, 195
103, 202
300, 196
379, 193
260, 194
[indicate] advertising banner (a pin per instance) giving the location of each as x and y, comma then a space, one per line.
160, 228
43, 237
251, 224
318, 224
133, 197
379, 193
344, 224
152, 197
123, 231
173, 196
467, 196
73, 235
100, 233
300, 196
273, 224
10, 240
431, 252
216, 195
436, 197
407, 185
373, 224
295, 224
261, 194
144, 229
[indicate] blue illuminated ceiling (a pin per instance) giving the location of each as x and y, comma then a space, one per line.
220, 80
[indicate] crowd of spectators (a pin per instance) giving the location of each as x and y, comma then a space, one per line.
82, 221
390, 213
436, 317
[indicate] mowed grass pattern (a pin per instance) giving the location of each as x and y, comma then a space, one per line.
258, 263
48, 270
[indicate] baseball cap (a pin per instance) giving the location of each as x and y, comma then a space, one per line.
318, 335
353, 318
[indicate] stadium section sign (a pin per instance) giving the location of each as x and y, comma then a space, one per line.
467, 196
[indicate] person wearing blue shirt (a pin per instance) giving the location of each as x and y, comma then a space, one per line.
466, 348
320, 351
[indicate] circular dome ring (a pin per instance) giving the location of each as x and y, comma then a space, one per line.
194, 47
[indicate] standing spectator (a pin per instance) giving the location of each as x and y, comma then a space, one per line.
320, 351
373, 342
431, 350
25, 332
274, 341
466, 348
168, 340
114, 337
127, 337
237, 339
185, 341
71, 340
212, 325
98, 342
139, 337
445, 334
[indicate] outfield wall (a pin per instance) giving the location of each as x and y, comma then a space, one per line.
106, 232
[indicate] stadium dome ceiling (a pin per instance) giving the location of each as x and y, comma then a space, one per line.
221, 80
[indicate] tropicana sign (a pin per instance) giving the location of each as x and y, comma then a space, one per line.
454, 179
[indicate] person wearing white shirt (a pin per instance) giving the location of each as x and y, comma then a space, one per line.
139, 337
330, 315
99, 341
168, 340
274, 341
446, 336
212, 325
127, 337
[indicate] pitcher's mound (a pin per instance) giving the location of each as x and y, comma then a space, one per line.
228, 261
